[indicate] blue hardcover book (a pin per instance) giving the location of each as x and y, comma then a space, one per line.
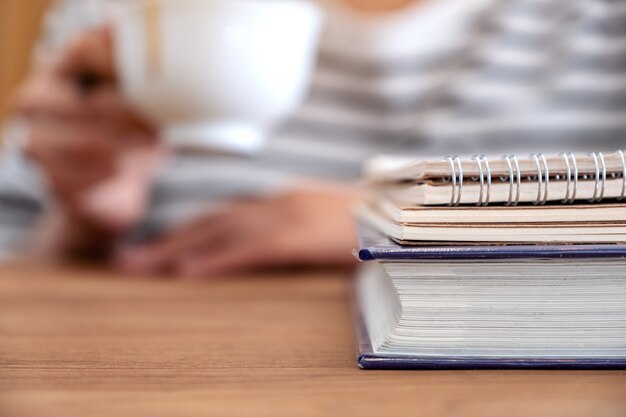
490, 307
376, 246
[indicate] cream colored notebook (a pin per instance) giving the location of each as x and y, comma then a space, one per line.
463, 230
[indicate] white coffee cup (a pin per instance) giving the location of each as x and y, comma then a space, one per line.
216, 73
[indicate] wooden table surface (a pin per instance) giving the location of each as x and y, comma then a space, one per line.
88, 343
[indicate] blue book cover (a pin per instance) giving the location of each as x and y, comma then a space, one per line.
374, 246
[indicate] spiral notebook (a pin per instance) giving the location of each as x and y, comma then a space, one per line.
537, 179
563, 198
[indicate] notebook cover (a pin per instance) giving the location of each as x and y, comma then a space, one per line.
367, 359
376, 246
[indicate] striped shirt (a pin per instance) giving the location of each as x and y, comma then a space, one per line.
437, 77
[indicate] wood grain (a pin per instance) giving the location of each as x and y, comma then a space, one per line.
88, 343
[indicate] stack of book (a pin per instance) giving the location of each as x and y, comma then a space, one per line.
494, 263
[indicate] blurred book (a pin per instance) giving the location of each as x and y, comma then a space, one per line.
505, 285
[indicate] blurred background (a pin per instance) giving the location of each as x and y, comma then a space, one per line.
19, 27
403, 77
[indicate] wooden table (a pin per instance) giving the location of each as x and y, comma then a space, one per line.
88, 343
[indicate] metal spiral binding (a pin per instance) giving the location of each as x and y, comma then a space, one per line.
512, 181
572, 168
514, 178
541, 178
457, 179
622, 194
600, 167
480, 161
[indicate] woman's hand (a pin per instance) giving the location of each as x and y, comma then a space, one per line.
97, 155
302, 227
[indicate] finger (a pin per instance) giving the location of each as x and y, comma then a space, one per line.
251, 221
104, 105
109, 103
233, 222
72, 148
43, 91
90, 51
274, 248
76, 155
160, 256
74, 141
116, 203
44, 97
231, 258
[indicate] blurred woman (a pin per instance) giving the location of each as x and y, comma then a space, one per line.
394, 76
